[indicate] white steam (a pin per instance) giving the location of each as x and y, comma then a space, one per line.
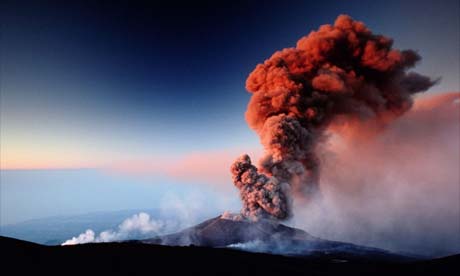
137, 224
87, 237
176, 213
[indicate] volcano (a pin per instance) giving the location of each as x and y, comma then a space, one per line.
267, 236
221, 232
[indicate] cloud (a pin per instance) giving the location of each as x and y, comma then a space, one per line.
399, 191
339, 73
207, 167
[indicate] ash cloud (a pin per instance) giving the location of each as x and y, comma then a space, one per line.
341, 72
399, 191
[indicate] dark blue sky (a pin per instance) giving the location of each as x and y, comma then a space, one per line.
133, 78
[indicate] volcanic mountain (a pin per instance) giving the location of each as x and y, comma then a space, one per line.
268, 237
220, 232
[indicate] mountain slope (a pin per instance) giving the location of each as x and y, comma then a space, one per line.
24, 258
268, 237
218, 232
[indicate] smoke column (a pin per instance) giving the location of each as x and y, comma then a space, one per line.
339, 73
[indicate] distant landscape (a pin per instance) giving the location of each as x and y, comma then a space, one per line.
56, 230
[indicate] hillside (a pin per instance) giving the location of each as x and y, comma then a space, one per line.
26, 258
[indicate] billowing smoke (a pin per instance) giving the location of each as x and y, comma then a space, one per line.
341, 73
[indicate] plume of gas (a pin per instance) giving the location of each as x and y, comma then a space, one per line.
137, 224
399, 191
339, 72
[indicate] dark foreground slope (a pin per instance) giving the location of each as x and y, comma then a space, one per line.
24, 258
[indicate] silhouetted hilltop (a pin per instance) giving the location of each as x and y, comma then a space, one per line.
24, 258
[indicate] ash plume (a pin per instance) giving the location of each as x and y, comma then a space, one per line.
399, 191
339, 73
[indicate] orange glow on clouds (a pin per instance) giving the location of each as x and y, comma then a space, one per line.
212, 167
21, 155
208, 166
361, 131
431, 102
39, 161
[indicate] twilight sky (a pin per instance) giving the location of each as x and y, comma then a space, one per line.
102, 83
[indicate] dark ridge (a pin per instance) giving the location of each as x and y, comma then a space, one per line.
24, 258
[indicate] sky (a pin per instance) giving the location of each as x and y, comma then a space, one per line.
87, 85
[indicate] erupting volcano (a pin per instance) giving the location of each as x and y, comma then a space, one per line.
339, 74
128, 143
